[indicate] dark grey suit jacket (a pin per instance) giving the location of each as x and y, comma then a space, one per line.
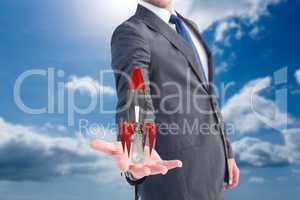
189, 124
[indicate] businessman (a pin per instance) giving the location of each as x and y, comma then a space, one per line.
193, 158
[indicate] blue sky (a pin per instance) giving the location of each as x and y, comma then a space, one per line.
42, 156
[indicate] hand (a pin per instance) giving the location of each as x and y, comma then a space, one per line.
153, 164
234, 174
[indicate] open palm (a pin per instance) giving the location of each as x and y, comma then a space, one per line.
152, 165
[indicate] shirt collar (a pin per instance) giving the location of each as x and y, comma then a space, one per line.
162, 13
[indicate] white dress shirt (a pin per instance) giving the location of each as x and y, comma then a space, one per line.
165, 15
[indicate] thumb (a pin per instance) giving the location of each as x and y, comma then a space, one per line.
123, 165
230, 174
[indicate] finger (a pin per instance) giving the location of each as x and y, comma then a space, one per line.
157, 169
228, 187
235, 178
229, 184
123, 165
171, 164
139, 171
236, 174
105, 147
230, 174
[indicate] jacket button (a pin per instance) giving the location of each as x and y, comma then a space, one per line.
216, 126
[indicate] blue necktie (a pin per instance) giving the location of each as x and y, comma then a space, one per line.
183, 32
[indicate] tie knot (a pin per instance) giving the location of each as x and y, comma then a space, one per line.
174, 19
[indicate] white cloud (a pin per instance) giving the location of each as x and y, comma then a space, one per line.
255, 31
103, 16
53, 127
282, 178
256, 179
207, 12
26, 154
216, 50
221, 30
247, 10
239, 34
259, 153
223, 67
297, 75
249, 111
89, 85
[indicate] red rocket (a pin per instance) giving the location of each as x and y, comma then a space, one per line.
135, 132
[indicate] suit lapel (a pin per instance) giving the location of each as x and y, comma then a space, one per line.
155, 23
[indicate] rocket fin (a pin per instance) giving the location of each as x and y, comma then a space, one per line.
137, 80
149, 129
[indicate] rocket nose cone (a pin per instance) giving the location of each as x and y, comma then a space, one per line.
136, 79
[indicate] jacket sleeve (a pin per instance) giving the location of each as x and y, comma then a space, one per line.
129, 49
223, 127
228, 143
229, 147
